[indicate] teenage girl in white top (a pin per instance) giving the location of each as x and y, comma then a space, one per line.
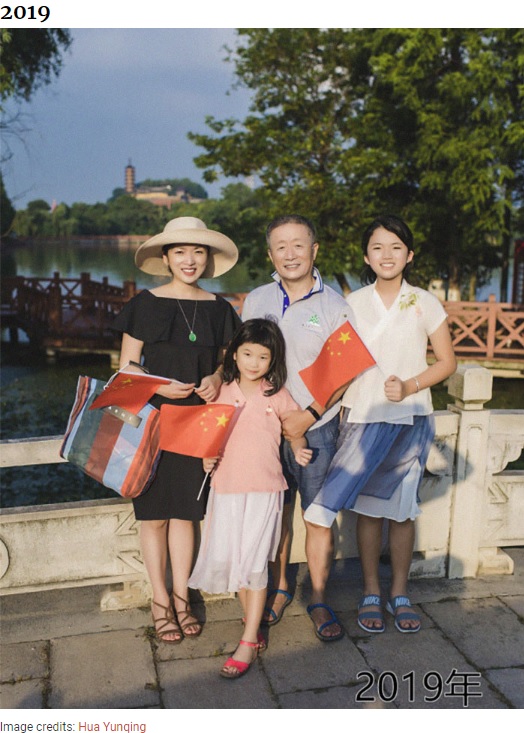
388, 423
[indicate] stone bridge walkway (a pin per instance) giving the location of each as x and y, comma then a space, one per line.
59, 651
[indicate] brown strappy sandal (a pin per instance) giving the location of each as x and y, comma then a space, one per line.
168, 620
182, 617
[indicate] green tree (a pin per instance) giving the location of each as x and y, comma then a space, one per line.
294, 137
190, 187
127, 215
33, 221
7, 210
345, 124
446, 108
87, 219
120, 191
240, 212
30, 59
61, 223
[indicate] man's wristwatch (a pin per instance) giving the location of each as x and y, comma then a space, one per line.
313, 412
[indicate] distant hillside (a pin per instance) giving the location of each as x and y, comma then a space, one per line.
192, 188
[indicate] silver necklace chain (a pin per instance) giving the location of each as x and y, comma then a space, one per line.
192, 334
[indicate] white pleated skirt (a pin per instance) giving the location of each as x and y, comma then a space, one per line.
240, 536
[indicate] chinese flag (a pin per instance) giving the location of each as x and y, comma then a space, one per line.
343, 356
129, 390
198, 430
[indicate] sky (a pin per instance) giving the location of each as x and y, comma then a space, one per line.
133, 93
122, 94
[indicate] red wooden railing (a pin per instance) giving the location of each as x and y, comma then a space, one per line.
79, 308
69, 309
487, 330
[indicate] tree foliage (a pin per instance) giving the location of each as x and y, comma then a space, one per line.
240, 213
30, 59
7, 210
124, 215
459, 147
345, 124
190, 187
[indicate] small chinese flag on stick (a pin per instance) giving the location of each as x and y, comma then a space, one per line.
198, 430
129, 390
342, 358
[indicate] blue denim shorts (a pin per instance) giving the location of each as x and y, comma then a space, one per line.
309, 479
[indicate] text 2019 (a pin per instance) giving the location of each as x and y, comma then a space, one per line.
20, 12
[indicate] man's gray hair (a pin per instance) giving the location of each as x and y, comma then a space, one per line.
279, 221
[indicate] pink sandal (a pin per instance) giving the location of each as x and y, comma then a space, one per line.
233, 668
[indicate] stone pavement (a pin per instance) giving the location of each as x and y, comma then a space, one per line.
59, 651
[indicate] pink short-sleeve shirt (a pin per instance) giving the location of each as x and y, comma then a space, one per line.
250, 459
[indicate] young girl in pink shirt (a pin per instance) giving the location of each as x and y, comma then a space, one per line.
242, 525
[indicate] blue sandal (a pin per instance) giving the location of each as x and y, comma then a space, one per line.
399, 602
370, 600
274, 616
320, 629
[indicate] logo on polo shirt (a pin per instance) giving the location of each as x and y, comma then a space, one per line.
313, 322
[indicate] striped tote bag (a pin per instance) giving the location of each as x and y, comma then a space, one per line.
113, 446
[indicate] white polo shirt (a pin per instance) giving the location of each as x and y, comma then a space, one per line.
306, 324
397, 339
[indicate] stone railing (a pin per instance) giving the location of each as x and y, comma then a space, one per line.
471, 509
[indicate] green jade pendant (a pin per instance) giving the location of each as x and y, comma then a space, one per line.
192, 336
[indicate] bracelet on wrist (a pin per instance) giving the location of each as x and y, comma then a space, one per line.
313, 412
417, 384
135, 363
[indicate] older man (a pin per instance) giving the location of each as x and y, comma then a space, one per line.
307, 312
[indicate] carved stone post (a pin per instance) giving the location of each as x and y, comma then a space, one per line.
504, 510
471, 386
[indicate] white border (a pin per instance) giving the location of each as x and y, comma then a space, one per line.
269, 13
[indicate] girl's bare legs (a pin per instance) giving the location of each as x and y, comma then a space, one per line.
253, 602
181, 541
153, 541
401, 543
369, 538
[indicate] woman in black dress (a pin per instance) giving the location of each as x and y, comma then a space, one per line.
177, 330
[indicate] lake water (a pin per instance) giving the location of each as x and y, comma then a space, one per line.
101, 259
36, 401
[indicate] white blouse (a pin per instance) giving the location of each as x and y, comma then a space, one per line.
397, 338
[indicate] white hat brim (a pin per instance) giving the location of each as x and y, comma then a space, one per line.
223, 252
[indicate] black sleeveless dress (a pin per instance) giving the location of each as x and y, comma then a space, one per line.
168, 352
